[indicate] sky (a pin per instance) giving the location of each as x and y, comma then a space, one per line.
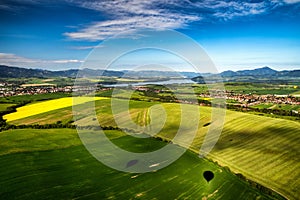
236, 35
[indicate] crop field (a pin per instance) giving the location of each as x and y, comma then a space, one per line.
265, 150
54, 164
42, 107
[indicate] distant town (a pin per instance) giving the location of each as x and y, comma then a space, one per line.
244, 100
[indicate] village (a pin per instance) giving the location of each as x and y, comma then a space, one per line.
244, 100
8, 89
253, 99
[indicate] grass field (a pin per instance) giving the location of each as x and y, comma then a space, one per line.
263, 149
33, 98
261, 88
276, 106
253, 88
4, 106
52, 164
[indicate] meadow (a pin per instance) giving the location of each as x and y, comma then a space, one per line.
276, 106
263, 88
263, 149
245, 88
53, 164
33, 98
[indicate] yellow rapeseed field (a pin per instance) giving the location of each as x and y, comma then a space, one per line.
45, 106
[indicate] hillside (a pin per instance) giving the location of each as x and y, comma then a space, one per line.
17, 72
264, 74
256, 150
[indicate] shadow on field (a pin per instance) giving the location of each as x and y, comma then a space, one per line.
267, 140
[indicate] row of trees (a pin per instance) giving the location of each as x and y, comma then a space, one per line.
3, 124
59, 124
260, 187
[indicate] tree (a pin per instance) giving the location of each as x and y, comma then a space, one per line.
2, 122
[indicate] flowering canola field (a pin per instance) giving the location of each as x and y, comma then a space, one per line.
46, 106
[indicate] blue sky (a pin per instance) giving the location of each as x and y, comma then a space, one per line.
237, 35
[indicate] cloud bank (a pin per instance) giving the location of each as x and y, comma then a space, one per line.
15, 60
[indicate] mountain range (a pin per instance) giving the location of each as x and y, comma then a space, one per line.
17, 72
264, 73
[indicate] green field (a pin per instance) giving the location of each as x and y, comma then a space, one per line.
262, 88
278, 106
53, 164
263, 149
247, 88
33, 98
4, 106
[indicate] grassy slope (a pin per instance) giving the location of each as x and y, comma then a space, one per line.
52, 164
264, 149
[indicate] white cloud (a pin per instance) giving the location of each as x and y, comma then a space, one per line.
130, 15
16, 5
229, 9
19, 61
291, 1
102, 30
124, 15
86, 47
66, 61
6, 59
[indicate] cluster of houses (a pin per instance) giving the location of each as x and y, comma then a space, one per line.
246, 100
7, 90
253, 99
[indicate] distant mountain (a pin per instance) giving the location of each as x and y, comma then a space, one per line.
228, 73
150, 74
17, 72
264, 74
158, 74
264, 71
293, 73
